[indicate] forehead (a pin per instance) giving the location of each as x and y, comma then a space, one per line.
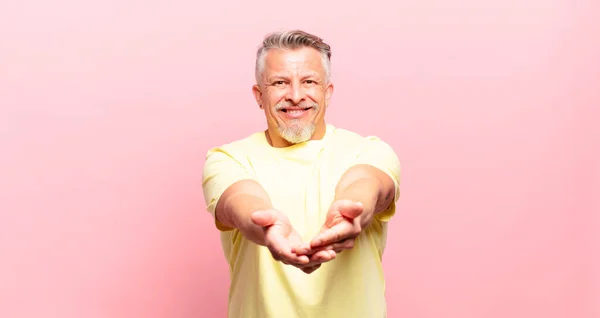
285, 61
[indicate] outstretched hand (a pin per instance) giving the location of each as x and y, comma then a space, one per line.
341, 227
283, 241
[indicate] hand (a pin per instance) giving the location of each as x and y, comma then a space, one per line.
283, 240
341, 227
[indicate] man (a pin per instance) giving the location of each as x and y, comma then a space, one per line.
303, 206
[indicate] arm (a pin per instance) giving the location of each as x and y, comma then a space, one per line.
237, 201
232, 193
370, 186
236, 205
367, 190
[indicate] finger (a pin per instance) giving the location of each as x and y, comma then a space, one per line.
333, 235
302, 249
295, 260
318, 259
332, 254
309, 251
337, 247
289, 258
351, 210
263, 218
300, 260
322, 256
281, 248
346, 244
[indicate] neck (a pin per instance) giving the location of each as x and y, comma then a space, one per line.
275, 139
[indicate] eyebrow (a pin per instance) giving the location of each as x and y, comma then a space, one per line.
314, 74
286, 77
277, 77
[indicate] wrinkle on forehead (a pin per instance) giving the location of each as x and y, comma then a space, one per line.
282, 63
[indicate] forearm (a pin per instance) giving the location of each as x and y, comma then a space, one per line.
369, 186
237, 205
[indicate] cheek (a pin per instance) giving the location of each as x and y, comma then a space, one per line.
275, 97
315, 94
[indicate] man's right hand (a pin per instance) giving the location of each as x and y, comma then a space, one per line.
282, 239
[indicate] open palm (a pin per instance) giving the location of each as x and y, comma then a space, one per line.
283, 241
341, 227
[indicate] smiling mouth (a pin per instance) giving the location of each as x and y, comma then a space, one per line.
295, 110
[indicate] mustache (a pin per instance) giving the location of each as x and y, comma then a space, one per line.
304, 104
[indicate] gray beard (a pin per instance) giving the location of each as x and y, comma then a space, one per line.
295, 134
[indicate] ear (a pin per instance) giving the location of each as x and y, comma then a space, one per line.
257, 95
328, 93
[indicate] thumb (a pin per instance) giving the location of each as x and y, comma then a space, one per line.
263, 218
351, 209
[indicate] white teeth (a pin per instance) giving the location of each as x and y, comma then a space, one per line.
295, 111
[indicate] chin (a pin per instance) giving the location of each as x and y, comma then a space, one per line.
296, 135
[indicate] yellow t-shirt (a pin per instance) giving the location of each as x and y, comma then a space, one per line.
300, 181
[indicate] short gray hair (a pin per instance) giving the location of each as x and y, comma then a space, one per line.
291, 40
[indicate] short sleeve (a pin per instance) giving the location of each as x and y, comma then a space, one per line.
221, 170
379, 154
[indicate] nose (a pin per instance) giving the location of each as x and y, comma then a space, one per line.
295, 93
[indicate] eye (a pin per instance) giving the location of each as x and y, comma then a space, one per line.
278, 83
310, 82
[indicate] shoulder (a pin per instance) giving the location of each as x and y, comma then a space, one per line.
366, 149
233, 155
346, 138
239, 147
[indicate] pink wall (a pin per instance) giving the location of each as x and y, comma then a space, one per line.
108, 107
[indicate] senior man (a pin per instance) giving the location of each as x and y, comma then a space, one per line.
303, 206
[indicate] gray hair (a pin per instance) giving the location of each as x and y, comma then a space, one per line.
291, 40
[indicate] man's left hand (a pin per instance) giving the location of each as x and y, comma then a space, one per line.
341, 227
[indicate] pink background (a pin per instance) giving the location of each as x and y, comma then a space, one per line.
108, 107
